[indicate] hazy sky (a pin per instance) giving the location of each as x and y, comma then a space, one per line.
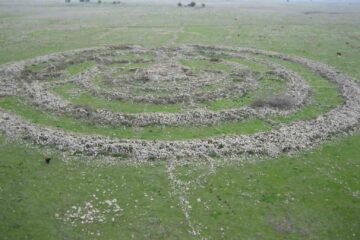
183, 1
175, 1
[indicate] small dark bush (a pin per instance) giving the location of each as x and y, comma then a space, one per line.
214, 59
179, 4
121, 155
192, 4
280, 102
152, 158
47, 160
203, 5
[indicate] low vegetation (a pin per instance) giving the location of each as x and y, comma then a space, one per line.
240, 166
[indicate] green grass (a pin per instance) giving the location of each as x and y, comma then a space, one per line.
80, 67
252, 65
150, 133
312, 191
316, 192
325, 95
86, 99
33, 192
228, 103
268, 86
152, 92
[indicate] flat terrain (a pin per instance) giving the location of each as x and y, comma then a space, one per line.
308, 194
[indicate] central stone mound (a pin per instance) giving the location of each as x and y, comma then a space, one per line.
164, 72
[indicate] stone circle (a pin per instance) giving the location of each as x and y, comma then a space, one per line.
189, 76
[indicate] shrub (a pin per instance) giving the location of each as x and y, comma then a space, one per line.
192, 4
280, 102
179, 4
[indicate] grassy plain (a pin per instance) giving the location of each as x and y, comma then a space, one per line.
311, 195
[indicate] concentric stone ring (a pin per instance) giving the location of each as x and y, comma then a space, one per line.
191, 81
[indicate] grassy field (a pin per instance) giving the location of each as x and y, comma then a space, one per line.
314, 194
